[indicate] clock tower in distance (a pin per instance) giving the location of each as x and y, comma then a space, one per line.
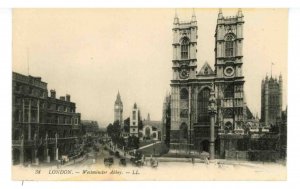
118, 109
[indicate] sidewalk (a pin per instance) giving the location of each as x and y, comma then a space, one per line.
57, 164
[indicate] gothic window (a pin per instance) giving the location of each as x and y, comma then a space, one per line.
228, 127
184, 94
229, 46
184, 48
203, 101
228, 113
229, 91
148, 133
133, 115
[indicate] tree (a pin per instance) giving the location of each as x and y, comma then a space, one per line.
114, 131
168, 122
121, 141
109, 129
127, 124
133, 142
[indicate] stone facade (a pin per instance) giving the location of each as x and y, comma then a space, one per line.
190, 89
151, 130
90, 128
43, 128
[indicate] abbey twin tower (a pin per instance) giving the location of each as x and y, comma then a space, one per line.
191, 87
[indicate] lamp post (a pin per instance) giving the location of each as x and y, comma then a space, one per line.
190, 142
56, 147
212, 110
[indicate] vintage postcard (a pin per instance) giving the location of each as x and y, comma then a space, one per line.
149, 94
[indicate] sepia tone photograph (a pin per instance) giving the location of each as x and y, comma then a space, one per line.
149, 94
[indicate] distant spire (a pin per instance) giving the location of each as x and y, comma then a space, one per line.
194, 16
239, 13
271, 68
148, 117
280, 77
27, 53
220, 15
118, 100
176, 19
135, 106
118, 96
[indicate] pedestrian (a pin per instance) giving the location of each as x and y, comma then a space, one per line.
206, 160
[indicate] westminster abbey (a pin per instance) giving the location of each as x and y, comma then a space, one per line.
191, 87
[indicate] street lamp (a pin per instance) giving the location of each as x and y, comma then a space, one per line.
56, 147
190, 142
212, 110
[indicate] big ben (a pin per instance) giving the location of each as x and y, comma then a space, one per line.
118, 109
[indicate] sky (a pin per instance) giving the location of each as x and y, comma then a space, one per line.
92, 54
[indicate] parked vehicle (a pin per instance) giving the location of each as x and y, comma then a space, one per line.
117, 154
108, 161
136, 161
123, 162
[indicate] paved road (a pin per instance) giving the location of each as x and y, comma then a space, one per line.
94, 157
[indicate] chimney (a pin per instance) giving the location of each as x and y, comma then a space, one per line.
68, 98
62, 98
52, 93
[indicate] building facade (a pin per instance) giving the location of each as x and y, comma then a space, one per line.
151, 129
43, 128
191, 88
271, 100
118, 109
90, 128
134, 120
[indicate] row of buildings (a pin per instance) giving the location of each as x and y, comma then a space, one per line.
44, 127
207, 110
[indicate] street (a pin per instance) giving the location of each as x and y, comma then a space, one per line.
224, 170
